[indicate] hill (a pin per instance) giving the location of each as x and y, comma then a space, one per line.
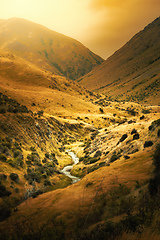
112, 197
40, 89
133, 72
44, 116
47, 49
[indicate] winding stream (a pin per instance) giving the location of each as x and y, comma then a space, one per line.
66, 170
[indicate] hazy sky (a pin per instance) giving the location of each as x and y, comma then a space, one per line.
101, 25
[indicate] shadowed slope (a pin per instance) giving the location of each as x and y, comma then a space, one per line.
134, 67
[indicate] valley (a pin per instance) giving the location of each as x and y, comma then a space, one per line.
76, 163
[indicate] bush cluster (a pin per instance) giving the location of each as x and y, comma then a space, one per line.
11, 105
154, 184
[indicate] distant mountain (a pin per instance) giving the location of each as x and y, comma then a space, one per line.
132, 72
47, 49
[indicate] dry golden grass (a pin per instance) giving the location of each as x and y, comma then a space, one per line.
77, 198
132, 72
47, 49
28, 84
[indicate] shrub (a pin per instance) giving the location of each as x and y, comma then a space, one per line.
16, 163
2, 110
113, 158
154, 183
36, 193
148, 144
133, 131
145, 111
131, 111
55, 161
17, 154
47, 155
124, 136
101, 110
11, 162
131, 222
53, 155
47, 182
136, 136
3, 177
106, 153
17, 146
44, 160
154, 124
156, 158
98, 154
3, 158
157, 122
3, 191
89, 184
14, 177
142, 117
17, 190
40, 113
89, 160
93, 160
4, 213
151, 127
102, 164
81, 159
35, 177
19, 162
32, 149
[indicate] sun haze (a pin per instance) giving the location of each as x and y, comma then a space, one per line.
101, 25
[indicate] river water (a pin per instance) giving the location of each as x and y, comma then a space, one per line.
67, 170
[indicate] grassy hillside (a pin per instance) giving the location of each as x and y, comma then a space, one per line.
42, 116
111, 201
41, 90
133, 72
47, 49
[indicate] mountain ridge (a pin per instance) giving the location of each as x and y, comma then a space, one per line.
128, 64
47, 49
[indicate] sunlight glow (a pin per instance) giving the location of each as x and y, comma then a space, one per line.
101, 25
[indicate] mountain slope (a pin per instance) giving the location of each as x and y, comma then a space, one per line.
132, 72
46, 48
41, 90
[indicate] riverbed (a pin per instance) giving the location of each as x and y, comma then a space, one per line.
67, 170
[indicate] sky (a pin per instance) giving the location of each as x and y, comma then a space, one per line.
101, 25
